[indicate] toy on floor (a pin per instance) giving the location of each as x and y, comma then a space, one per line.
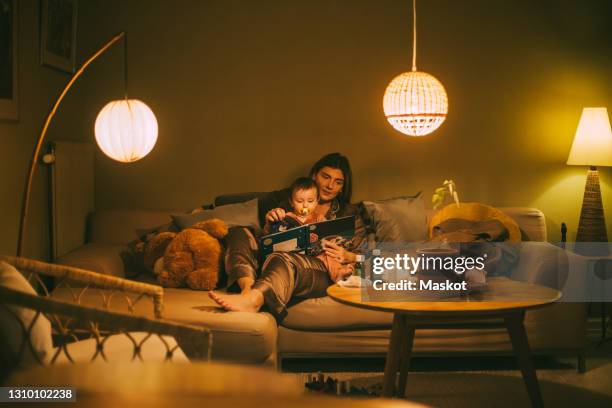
331, 385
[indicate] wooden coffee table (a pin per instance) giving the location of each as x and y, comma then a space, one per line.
504, 300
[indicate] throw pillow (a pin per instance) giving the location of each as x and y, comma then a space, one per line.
401, 219
11, 335
240, 214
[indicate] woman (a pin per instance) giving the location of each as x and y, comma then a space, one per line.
290, 277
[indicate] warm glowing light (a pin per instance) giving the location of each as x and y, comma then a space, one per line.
415, 103
126, 130
593, 140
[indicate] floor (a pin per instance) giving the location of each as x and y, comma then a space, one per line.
486, 382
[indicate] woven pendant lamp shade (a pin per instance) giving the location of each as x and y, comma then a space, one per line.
415, 103
126, 130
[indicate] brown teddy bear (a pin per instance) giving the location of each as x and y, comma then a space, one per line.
191, 257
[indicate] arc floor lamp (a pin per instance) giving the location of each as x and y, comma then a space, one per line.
125, 130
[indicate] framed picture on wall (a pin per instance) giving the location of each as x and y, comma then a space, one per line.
58, 30
9, 101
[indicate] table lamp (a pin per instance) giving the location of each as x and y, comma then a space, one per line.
592, 147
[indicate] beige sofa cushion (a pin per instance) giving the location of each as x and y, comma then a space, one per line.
237, 336
325, 314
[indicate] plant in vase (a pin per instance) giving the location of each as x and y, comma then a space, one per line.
448, 187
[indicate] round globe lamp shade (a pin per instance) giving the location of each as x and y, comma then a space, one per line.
126, 130
415, 103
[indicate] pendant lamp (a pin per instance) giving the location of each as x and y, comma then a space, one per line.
126, 130
415, 102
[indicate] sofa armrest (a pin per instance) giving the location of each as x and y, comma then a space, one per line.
541, 263
105, 259
545, 264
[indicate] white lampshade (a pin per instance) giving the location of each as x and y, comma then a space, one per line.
415, 103
593, 140
126, 130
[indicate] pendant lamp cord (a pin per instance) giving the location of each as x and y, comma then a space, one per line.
125, 65
414, 67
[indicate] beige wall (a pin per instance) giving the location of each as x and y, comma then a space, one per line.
249, 93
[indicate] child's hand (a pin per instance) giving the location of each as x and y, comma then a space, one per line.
275, 215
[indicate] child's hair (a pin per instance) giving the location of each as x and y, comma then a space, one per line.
303, 183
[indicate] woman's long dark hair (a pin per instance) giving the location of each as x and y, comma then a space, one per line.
340, 162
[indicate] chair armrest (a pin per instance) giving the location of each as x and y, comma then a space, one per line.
70, 320
66, 274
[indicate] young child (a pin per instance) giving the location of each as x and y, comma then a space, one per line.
304, 201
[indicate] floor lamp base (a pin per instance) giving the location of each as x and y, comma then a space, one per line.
592, 224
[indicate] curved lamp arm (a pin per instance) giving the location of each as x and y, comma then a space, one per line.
25, 204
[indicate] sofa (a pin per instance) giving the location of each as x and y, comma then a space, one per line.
322, 327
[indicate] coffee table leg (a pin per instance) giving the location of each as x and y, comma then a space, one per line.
518, 337
406, 350
393, 355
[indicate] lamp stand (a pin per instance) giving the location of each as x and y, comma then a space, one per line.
25, 204
592, 225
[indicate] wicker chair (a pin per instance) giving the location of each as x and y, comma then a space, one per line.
71, 322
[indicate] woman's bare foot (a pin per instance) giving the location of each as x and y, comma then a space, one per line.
244, 302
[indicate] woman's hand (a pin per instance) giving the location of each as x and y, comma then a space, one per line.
275, 215
336, 251
345, 271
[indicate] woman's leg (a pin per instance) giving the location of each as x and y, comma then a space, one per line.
285, 278
289, 278
241, 258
